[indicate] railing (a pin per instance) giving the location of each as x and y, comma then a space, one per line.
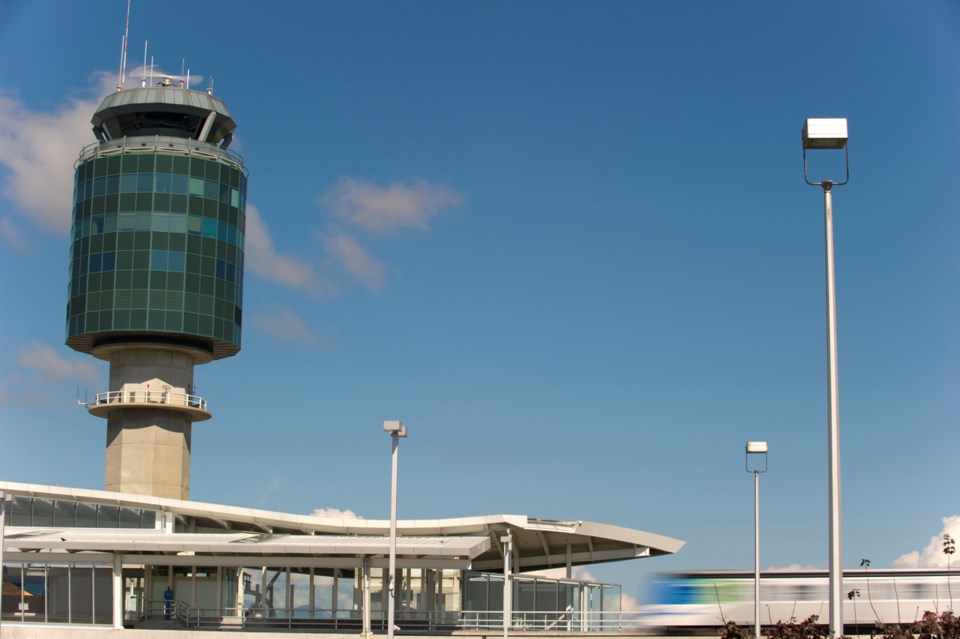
408, 621
151, 397
185, 146
556, 621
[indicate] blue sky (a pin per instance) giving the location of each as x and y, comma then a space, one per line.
567, 243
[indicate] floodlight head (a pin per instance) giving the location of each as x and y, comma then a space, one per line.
825, 133
756, 447
395, 427
756, 455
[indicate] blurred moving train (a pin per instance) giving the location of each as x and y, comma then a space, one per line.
683, 603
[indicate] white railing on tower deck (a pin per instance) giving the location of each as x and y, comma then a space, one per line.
170, 398
157, 143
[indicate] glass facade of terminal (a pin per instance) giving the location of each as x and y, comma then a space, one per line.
157, 248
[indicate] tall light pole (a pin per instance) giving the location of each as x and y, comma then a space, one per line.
396, 431
759, 450
831, 133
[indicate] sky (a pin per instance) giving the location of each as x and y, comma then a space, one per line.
568, 244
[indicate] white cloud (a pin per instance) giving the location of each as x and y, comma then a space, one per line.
355, 260
932, 556
38, 153
794, 567
12, 235
335, 513
51, 366
387, 209
264, 260
286, 324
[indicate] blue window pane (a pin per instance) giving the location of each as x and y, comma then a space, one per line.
159, 260
179, 184
109, 261
164, 183
145, 182
210, 189
209, 227
176, 262
126, 221
221, 269
128, 183
95, 262
113, 183
231, 272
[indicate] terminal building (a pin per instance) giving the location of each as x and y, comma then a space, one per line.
156, 288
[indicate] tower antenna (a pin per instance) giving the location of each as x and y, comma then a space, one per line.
123, 53
143, 78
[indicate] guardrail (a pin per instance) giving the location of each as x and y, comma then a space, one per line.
151, 397
185, 146
408, 621
551, 621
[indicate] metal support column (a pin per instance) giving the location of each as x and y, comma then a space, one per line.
507, 540
833, 423
117, 592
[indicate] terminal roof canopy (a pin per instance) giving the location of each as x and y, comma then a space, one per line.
198, 529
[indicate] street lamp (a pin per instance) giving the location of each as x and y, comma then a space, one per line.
756, 449
396, 431
831, 133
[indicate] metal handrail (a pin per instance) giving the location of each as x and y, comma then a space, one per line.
158, 143
425, 622
168, 398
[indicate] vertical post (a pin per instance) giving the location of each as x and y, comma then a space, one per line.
833, 424
5, 500
365, 587
392, 601
396, 431
756, 553
118, 592
507, 585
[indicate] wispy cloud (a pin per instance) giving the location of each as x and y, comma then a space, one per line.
264, 260
932, 555
37, 179
382, 210
794, 567
335, 513
351, 257
11, 234
287, 325
50, 366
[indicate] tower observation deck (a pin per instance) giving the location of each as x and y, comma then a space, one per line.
156, 272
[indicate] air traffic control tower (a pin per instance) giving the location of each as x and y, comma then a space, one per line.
156, 272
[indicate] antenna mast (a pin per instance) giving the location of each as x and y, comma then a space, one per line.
123, 53
143, 79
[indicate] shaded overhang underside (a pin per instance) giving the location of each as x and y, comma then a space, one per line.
232, 531
155, 547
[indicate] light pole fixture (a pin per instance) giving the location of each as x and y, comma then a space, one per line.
756, 452
831, 133
396, 430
